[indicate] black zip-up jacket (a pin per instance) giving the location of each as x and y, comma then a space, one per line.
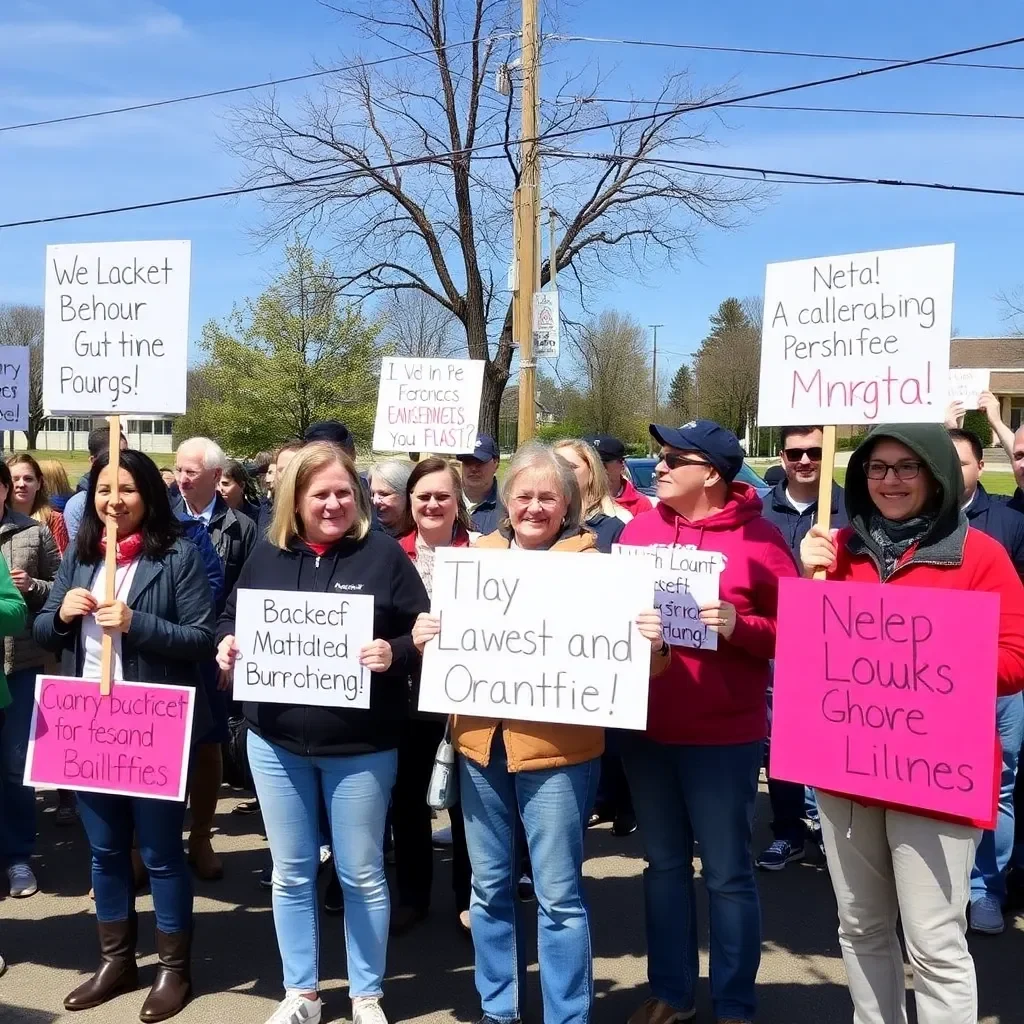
376, 566
795, 525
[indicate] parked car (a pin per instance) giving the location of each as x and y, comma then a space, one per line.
641, 472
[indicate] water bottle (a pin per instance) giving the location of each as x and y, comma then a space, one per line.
443, 791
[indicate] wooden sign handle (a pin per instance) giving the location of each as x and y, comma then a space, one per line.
828, 469
110, 564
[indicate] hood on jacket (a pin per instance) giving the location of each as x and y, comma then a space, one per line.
742, 504
931, 444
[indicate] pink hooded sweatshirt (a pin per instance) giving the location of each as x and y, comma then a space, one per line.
717, 697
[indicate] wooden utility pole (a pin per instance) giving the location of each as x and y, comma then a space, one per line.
528, 235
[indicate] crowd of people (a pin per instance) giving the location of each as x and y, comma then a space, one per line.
336, 785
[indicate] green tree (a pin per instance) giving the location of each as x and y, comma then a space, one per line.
728, 365
680, 393
293, 356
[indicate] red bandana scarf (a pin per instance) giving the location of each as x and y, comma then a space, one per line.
128, 548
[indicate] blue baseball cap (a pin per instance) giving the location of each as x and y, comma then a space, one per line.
485, 450
611, 449
717, 444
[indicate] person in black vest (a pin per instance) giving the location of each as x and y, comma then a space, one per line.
792, 505
199, 463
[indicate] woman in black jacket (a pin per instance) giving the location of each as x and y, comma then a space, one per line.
162, 620
320, 541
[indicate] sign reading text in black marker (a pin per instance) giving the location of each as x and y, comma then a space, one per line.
302, 648
540, 636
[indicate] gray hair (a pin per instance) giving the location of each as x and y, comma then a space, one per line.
394, 472
212, 454
534, 455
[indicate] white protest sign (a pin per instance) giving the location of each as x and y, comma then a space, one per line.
686, 579
862, 338
965, 385
545, 325
115, 337
14, 385
428, 405
539, 636
302, 648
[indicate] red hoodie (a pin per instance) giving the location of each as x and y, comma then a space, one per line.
632, 500
717, 697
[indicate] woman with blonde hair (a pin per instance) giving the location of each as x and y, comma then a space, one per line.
600, 513
320, 541
55, 480
30, 497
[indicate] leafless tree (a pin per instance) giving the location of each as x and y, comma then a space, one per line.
421, 328
410, 167
23, 326
1013, 309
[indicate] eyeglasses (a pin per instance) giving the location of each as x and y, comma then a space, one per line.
903, 471
546, 501
674, 461
797, 454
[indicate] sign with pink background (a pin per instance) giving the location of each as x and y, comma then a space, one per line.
133, 743
888, 693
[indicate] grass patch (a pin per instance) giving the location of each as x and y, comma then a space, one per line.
74, 463
996, 481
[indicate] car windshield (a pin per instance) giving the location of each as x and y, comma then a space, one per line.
642, 472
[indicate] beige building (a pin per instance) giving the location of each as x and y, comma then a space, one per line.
145, 433
1004, 357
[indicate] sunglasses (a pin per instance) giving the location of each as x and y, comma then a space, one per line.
796, 454
674, 461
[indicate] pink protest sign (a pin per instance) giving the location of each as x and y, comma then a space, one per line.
877, 695
133, 743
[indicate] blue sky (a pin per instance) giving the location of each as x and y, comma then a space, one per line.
59, 57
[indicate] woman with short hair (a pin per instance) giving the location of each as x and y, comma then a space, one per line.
320, 541
544, 773
389, 481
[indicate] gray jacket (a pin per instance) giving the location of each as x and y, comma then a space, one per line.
28, 545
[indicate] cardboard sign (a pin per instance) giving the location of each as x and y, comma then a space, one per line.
877, 695
545, 325
116, 327
14, 387
428, 405
135, 742
966, 385
686, 579
862, 338
302, 648
539, 636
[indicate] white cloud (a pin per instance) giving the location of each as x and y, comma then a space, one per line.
156, 23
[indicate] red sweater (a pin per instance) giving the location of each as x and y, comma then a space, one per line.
986, 567
632, 500
718, 697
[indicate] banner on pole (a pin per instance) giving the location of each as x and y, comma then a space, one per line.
545, 325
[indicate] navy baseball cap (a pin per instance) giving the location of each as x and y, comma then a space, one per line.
485, 450
330, 430
718, 445
611, 449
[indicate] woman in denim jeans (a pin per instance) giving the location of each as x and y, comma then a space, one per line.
320, 541
547, 774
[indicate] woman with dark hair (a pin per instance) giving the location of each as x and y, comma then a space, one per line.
238, 490
30, 497
162, 621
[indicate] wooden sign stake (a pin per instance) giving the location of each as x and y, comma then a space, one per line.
110, 564
828, 469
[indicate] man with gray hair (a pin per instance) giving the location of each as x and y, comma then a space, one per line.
198, 465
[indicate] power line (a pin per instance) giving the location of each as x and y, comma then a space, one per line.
243, 88
771, 53
567, 132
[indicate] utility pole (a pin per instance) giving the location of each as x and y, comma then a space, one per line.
654, 377
528, 236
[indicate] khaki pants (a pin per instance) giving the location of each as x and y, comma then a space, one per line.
895, 864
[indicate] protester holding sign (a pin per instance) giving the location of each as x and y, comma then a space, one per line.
546, 773
600, 513
31, 554
162, 621
31, 498
903, 494
320, 541
694, 774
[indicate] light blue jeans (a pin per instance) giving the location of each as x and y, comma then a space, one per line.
994, 850
357, 791
554, 805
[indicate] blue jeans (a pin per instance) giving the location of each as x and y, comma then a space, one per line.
554, 805
996, 847
17, 801
356, 791
683, 793
110, 823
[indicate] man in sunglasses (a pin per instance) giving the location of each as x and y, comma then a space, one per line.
792, 505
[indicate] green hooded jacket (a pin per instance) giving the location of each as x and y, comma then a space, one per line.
13, 618
943, 542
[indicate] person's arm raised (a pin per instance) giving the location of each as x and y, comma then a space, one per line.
989, 404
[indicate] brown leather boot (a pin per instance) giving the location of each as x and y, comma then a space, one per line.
117, 972
172, 988
207, 771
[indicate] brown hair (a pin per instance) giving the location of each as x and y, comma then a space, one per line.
41, 510
56, 479
435, 464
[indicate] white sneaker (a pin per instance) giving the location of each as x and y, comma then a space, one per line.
23, 882
295, 1008
986, 916
3, 964
367, 1010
